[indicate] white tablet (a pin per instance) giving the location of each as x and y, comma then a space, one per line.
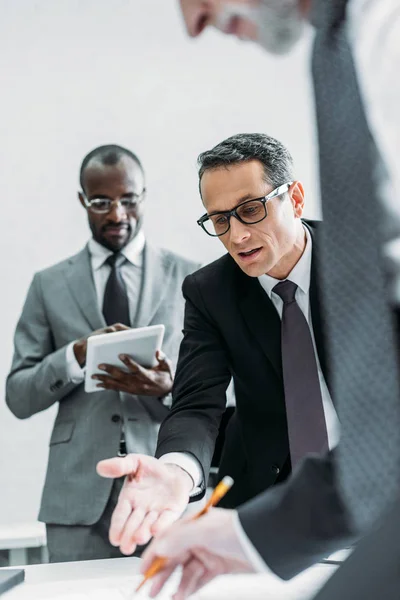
141, 344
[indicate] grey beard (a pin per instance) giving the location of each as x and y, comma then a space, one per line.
279, 22
280, 25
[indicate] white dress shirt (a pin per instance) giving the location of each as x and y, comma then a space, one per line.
301, 276
131, 272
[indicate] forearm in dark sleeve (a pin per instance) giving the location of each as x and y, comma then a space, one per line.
201, 380
296, 524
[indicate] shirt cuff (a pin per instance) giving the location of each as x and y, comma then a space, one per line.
188, 463
249, 550
166, 400
75, 373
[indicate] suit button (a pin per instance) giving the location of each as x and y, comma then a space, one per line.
115, 418
275, 469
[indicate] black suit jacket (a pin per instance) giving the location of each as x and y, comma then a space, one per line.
232, 328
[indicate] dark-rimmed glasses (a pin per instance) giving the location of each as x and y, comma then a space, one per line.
104, 205
248, 212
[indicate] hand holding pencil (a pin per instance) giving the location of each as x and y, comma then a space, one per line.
159, 563
205, 547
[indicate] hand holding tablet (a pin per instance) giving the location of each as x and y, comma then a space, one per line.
128, 358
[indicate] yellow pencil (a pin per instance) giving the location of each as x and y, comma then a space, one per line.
158, 564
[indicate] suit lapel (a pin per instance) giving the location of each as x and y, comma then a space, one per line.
261, 317
79, 279
155, 279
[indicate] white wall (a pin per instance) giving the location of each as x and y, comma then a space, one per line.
78, 73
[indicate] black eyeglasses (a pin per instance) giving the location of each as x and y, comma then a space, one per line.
248, 212
103, 205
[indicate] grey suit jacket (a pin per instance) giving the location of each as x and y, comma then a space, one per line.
62, 306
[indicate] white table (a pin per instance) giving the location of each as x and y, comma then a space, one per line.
17, 538
116, 579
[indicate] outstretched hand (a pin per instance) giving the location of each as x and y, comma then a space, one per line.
154, 495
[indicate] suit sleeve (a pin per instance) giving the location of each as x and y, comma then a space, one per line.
300, 522
38, 376
201, 380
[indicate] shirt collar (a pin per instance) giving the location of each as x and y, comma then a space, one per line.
300, 274
133, 251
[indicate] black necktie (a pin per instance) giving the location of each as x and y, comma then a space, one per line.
358, 319
303, 400
115, 303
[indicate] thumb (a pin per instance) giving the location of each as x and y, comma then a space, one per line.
160, 356
164, 363
119, 466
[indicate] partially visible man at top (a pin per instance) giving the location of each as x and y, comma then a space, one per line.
118, 280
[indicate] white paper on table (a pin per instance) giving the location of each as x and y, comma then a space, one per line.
110, 588
228, 587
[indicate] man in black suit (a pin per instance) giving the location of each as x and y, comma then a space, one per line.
233, 328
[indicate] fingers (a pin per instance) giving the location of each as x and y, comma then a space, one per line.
128, 383
199, 567
149, 556
119, 518
174, 544
143, 533
116, 327
164, 363
116, 386
119, 466
112, 371
133, 366
204, 580
193, 572
127, 542
160, 580
160, 356
165, 520
110, 329
200, 570
114, 379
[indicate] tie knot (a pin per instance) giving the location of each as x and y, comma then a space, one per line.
285, 290
327, 14
115, 260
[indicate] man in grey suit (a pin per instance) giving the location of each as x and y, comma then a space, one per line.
117, 281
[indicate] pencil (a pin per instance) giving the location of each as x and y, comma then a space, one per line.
158, 564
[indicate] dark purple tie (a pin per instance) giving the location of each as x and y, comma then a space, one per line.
115, 303
304, 409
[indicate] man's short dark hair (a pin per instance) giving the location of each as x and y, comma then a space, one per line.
109, 154
244, 147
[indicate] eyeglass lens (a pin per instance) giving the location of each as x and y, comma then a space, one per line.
249, 212
103, 205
